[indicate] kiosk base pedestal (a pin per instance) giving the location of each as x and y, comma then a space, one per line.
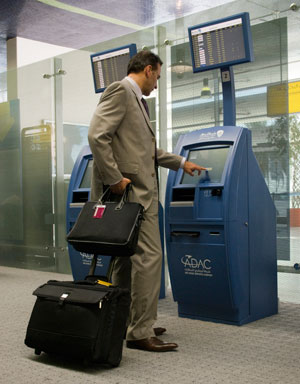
223, 316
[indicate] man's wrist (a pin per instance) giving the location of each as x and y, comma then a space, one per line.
111, 185
183, 160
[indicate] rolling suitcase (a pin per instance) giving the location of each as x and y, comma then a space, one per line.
84, 320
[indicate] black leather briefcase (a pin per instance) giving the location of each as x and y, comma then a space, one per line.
107, 227
85, 321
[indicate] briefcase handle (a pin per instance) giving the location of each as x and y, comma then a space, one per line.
123, 200
124, 197
106, 193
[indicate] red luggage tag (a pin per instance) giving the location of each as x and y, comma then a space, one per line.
99, 211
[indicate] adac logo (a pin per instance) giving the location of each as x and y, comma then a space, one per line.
86, 256
208, 135
212, 135
86, 259
191, 262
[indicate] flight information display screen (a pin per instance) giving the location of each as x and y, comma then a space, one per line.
110, 66
213, 159
221, 43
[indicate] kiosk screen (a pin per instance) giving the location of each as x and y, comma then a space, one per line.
212, 158
221, 43
110, 66
87, 177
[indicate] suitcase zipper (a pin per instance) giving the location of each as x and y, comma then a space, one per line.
105, 298
104, 335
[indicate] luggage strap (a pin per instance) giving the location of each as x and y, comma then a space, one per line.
106, 283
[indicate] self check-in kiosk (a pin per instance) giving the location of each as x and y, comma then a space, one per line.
78, 194
221, 225
221, 230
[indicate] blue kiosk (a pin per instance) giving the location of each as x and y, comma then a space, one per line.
221, 225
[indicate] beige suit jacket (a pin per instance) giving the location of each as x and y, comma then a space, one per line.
123, 144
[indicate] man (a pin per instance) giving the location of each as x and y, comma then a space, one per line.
124, 151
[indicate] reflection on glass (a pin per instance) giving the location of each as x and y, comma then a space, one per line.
37, 185
75, 137
11, 228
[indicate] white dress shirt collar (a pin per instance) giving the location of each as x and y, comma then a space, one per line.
136, 87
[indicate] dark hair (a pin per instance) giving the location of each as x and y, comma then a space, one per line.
139, 61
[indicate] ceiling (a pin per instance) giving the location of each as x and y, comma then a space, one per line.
80, 23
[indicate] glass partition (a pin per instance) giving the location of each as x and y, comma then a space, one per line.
27, 170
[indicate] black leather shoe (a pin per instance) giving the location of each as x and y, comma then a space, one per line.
151, 344
159, 331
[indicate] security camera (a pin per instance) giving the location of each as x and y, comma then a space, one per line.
294, 7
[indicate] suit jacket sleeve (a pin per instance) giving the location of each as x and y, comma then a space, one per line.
104, 124
168, 160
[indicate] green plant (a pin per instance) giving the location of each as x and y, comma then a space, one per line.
294, 154
284, 135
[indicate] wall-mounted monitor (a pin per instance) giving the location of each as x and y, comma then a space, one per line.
221, 43
213, 158
109, 66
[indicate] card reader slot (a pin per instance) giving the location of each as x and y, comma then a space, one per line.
80, 197
185, 233
215, 233
183, 194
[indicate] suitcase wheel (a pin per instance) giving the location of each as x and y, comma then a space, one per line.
37, 351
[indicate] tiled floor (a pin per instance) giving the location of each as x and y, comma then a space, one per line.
262, 352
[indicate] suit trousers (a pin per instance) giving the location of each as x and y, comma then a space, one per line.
142, 274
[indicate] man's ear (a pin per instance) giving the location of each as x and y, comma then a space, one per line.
147, 70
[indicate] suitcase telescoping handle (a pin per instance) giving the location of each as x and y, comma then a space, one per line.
109, 270
93, 265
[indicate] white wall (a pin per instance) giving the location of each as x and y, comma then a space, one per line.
31, 51
28, 61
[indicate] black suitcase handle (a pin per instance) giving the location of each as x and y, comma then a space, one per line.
109, 270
